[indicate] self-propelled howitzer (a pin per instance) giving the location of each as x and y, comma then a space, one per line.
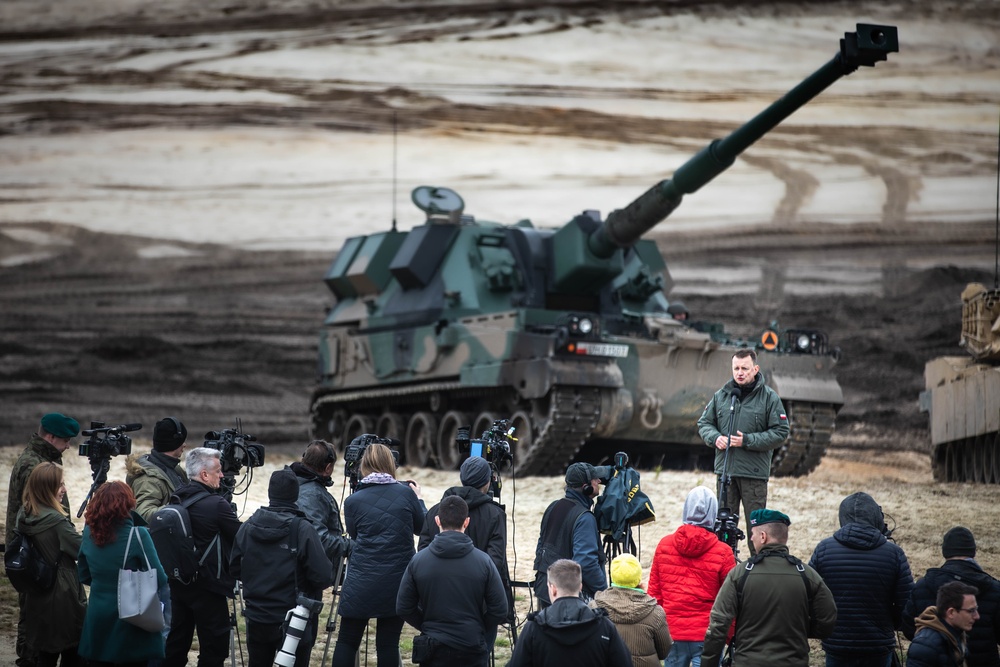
565, 332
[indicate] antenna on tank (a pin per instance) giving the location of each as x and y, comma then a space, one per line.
394, 162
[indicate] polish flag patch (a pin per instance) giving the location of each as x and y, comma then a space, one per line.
784, 417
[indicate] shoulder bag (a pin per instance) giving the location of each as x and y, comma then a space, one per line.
138, 602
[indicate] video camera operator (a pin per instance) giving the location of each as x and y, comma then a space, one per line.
314, 475
203, 602
382, 517
155, 476
278, 555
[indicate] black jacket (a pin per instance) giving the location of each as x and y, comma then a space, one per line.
452, 592
487, 529
322, 511
986, 632
271, 575
869, 577
212, 516
382, 520
570, 633
936, 643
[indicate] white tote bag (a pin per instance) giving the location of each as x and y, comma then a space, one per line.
138, 602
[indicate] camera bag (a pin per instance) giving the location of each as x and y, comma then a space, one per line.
170, 528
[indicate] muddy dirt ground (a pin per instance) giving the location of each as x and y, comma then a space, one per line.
173, 186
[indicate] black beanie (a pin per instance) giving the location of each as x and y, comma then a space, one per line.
958, 542
167, 436
283, 487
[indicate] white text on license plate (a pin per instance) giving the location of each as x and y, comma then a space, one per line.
602, 349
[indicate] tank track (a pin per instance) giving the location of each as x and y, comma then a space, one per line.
811, 430
975, 460
573, 414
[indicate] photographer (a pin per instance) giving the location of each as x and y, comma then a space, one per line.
155, 476
382, 517
55, 435
313, 474
203, 603
269, 559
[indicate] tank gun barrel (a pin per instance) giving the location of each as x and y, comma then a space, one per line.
623, 227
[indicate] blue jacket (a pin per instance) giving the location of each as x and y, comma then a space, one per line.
936, 643
585, 542
869, 577
382, 520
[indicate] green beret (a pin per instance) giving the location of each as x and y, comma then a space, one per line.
760, 517
60, 425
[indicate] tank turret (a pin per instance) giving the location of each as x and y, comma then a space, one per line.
567, 334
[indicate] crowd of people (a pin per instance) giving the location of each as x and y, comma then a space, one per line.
445, 572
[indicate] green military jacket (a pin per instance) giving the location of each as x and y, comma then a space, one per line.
151, 485
37, 451
777, 613
762, 419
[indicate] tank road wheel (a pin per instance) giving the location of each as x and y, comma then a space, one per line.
420, 435
522, 449
329, 425
357, 425
482, 423
448, 456
391, 425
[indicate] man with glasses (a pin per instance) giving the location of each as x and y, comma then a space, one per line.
55, 434
959, 550
940, 640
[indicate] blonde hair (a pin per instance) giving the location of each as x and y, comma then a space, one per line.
378, 458
42, 489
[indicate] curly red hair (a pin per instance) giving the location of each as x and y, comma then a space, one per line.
108, 509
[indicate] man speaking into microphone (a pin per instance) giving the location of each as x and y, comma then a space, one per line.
747, 417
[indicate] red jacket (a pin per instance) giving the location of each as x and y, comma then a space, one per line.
687, 572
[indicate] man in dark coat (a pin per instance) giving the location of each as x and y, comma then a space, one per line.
55, 434
568, 632
452, 593
940, 639
870, 580
314, 474
204, 602
569, 530
959, 549
275, 565
487, 519
760, 426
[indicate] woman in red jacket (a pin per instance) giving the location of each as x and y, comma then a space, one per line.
687, 572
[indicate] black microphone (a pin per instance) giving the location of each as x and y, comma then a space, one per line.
130, 427
735, 393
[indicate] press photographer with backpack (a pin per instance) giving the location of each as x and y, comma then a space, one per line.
54, 617
203, 603
278, 555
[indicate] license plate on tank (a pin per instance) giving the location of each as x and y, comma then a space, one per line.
602, 349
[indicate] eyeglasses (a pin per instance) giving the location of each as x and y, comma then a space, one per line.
971, 610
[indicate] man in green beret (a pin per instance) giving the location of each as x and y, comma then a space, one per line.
55, 434
777, 601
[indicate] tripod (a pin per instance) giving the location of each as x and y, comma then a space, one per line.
727, 522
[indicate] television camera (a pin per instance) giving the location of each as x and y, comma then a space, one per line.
102, 443
237, 450
356, 449
493, 445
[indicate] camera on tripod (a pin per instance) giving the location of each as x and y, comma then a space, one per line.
238, 449
493, 445
727, 528
107, 441
355, 450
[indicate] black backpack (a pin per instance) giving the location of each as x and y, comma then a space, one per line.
27, 570
170, 529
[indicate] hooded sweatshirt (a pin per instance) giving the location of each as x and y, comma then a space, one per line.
570, 633
689, 567
640, 622
869, 577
